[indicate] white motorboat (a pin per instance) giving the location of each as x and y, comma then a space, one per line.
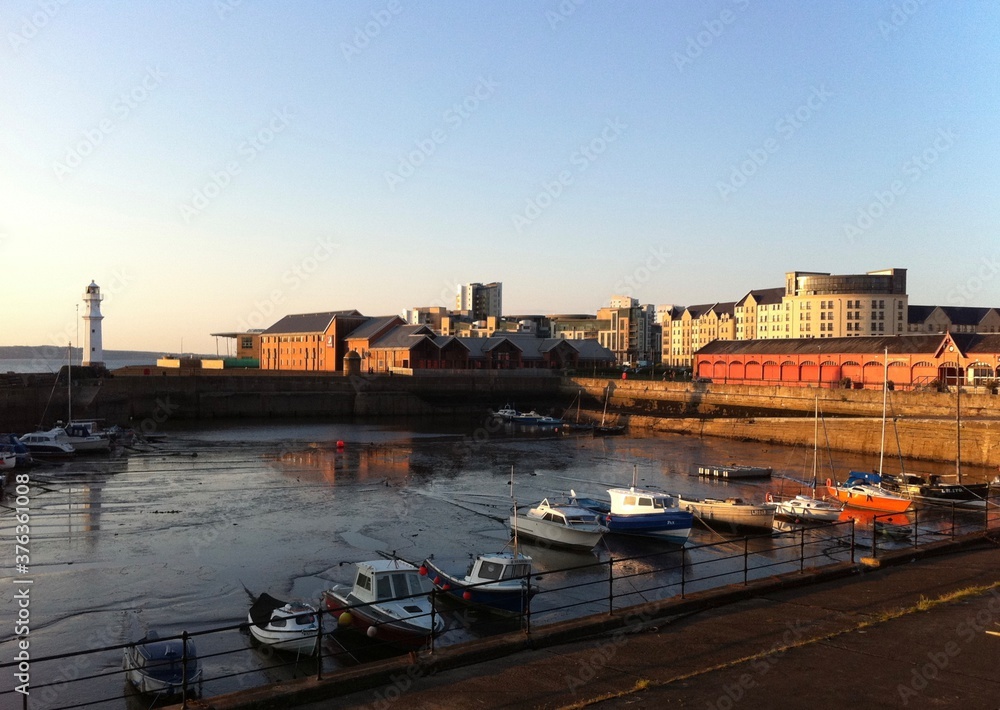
734, 512
160, 667
85, 437
285, 626
50, 444
389, 601
806, 508
563, 525
8, 459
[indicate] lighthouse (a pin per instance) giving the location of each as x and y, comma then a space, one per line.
93, 350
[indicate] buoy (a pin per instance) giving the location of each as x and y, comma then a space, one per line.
437, 581
340, 443
345, 619
768, 497
467, 595
371, 632
423, 570
445, 587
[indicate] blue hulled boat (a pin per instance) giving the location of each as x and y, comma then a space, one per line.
499, 582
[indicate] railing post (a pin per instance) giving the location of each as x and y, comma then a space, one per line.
319, 644
874, 536
184, 670
433, 617
802, 549
916, 527
682, 576
953, 506
853, 538
611, 586
527, 607
746, 559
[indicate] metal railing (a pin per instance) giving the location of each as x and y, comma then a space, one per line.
84, 678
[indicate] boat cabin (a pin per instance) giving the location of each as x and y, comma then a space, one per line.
565, 515
631, 501
385, 580
494, 568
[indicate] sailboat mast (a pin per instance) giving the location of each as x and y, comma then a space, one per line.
69, 384
885, 395
958, 422
815, 441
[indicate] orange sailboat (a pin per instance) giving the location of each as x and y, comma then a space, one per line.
863, 490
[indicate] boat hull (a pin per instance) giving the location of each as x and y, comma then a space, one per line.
557, 534
302, 643
736, 515
808, 509
509, 597
672, 526
856, 497
397, 633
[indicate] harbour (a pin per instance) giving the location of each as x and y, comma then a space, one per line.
179, 535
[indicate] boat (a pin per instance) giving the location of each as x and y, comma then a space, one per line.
857, 493
86, 438
506, 414
162, 667
390, 600
862, 490
734, 512
48, 444
638, 511
969, 495
569, 526
604, 429
499, 582
8, 459
807, 508
9, 443
293, 627
730, 471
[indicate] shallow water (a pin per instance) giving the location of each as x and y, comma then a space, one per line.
179, 536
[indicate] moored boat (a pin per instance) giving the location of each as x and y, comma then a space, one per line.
734, 512
731, 471
293, 627
935, 490
85, 438
563, 525
8, 459
48, 444
498, 581
857, 494
806, 508
389, 600
637, 511
164, 667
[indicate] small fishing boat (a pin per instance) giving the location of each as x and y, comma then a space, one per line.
85, 437
158, 667
8, 459
731, 471
285, 626
499, 582
569, 526
968, 495
389, 600
734, 512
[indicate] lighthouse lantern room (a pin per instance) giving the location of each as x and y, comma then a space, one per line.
93, 349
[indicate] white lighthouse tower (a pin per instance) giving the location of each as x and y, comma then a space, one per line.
93, 349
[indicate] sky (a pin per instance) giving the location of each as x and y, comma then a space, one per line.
216, 165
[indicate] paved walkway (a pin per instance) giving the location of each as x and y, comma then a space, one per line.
875, 639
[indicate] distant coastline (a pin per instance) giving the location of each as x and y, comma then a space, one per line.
49, 358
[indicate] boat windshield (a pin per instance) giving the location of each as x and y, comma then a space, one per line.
518, 570
400, 584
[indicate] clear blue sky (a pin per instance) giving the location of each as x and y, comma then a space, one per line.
214, 165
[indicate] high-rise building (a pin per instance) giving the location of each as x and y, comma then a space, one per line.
480, 301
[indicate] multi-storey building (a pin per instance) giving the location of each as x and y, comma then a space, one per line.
952, 319
310, 342
811, 305
629, 330
480, 301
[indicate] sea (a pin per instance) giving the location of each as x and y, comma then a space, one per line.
23, 359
